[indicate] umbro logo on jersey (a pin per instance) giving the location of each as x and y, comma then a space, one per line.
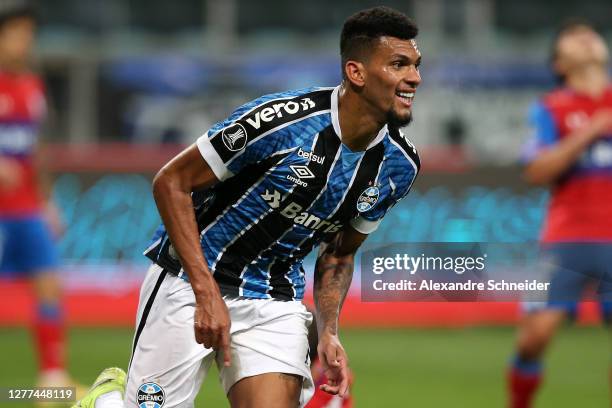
278, 110
234, 137
302, 172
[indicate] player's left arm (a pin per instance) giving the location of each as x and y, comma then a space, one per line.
335, 264
332, 279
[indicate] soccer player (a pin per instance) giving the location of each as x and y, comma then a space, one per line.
571, 152
27, 216
244, 205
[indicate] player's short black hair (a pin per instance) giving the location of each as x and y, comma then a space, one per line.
361, 30
565, 28
11, 9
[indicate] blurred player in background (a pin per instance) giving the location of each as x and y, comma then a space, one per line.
283, 174
27, 216
571, 152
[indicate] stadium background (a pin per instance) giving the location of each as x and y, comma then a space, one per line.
130, 82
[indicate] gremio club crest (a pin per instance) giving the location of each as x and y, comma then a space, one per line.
150, 395
368, 199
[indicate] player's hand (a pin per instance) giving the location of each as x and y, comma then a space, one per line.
601, 123
212, 324
10, 173
335, 365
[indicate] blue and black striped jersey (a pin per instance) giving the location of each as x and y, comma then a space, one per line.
287, 183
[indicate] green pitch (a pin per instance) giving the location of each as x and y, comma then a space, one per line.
393, 368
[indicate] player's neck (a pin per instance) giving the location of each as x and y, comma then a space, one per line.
357, 124
591, 80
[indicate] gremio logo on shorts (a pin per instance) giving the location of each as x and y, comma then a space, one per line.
150, 395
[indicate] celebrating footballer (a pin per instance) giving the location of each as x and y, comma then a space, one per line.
244, 205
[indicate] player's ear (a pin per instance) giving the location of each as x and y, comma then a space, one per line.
355, 72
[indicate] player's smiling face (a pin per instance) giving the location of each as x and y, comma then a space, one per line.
392, 76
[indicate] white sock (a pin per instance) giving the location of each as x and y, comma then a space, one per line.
111, 399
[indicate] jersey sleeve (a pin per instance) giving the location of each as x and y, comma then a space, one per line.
368, 221
230, 145
543, 132
253, 132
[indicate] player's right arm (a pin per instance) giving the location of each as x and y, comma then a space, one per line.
251, 134
554, 159
172, 188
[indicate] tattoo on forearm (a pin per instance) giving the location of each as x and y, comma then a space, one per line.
332, 280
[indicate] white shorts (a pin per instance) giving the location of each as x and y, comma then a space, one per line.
168, 365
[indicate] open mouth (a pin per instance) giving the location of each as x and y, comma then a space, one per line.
405, 97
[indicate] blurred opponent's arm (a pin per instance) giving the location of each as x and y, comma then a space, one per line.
553, 161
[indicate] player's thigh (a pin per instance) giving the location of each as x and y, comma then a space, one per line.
566, 266
166, 362
570, 267
269, 337
270, 390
